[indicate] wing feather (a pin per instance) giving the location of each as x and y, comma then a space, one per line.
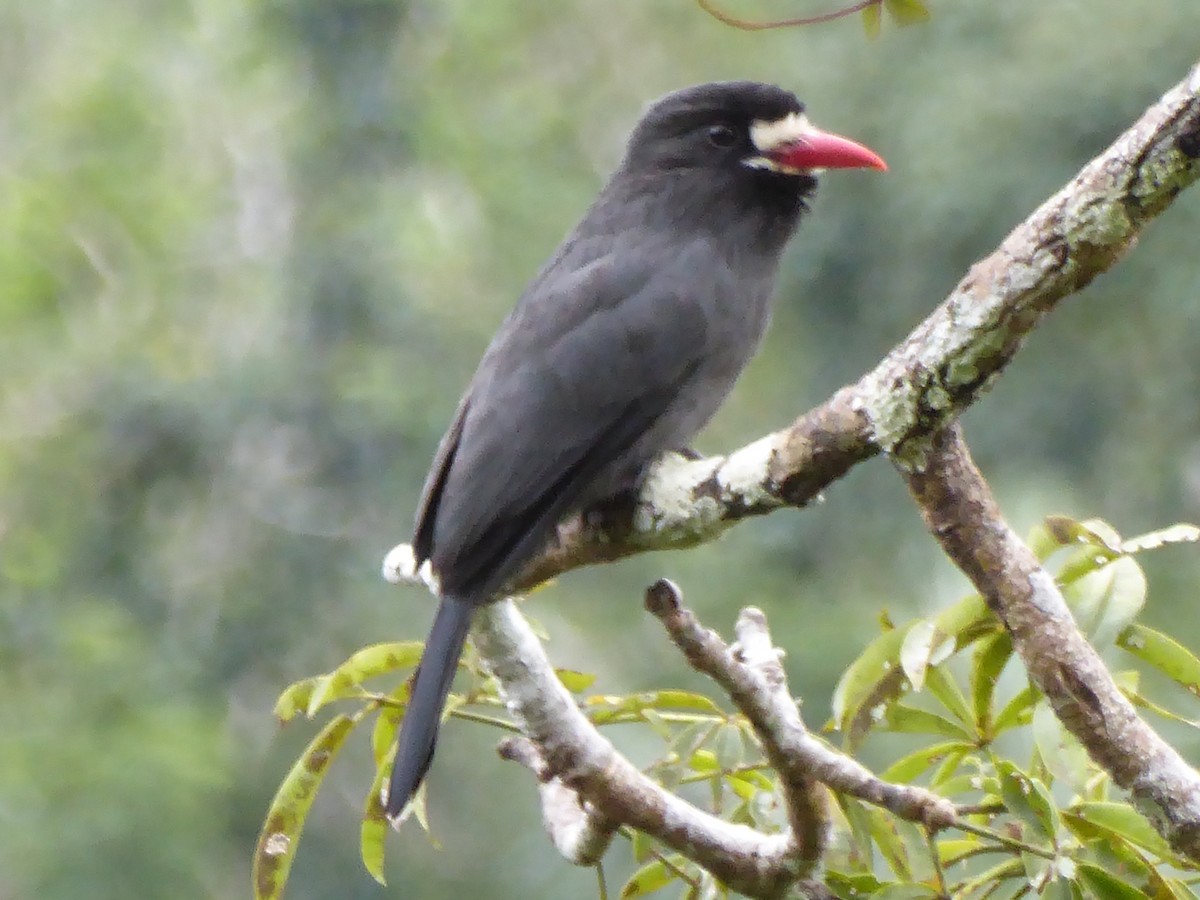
575, 395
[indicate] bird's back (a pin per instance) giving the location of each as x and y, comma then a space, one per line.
623, 346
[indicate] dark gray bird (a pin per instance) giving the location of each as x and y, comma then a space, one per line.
622, 347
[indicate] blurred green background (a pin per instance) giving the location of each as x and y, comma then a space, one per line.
249, 256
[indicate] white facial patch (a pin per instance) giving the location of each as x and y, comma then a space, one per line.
768, 136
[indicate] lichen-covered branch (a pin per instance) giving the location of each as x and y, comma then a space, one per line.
939, 370
583, 760
960, 511
588, 790
579, 831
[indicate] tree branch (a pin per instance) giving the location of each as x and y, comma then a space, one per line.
752, 676
588, 789
579, 831
754, 864
960, 511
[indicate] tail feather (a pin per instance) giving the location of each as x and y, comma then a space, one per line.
419, 727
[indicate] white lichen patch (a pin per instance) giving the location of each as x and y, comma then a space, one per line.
1046, 595
668, 501
745, 474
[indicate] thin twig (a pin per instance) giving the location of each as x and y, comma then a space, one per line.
747, 25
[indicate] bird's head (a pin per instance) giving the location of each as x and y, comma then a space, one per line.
740, 127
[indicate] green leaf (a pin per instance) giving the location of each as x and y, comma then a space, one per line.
745, 789
887, 838
1060, 888
1045, 538
1179, 890
1100, 534
383, 736
907, 768
1103, 884
852, 885
1107, 600
871, 680
1123, 820
575, 682
294, 700
689, 739
907, 12
924, 645
649, 878
872, 20
1009, 869
952, 850
1017, 711
989, 661
374, 830
943, 686
956, 784
1028, 799
1180, 533
859, 823
909, 720
730, 748
369, 662
967, 620
1061, 753
1164, 653
704, 762
1144, 703
281, 831
905, 892
949, 767
608, 709
658, 724
874, 680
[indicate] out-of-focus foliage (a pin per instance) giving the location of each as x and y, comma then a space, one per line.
250, 254
1054, 822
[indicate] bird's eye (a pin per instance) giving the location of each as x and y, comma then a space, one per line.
721, 136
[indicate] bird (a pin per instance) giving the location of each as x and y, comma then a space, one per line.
622, 347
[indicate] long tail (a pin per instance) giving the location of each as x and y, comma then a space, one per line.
419, 728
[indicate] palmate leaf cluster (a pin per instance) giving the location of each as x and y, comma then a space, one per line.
1039, 817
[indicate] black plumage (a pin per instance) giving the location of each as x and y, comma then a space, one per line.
623, 346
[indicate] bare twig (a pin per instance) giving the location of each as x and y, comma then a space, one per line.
756, 683
748, 25
752, 675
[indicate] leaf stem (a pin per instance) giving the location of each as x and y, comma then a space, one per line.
747, 25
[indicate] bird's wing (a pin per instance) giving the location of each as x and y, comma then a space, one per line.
435, 481
560, 407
